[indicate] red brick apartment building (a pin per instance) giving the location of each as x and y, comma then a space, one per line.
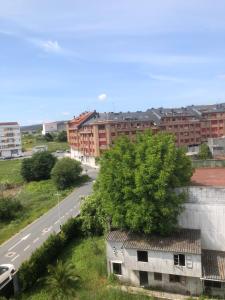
91, 133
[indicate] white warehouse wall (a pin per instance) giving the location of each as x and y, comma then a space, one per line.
205, 210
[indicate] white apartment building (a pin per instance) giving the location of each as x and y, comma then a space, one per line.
54, 127
10, 140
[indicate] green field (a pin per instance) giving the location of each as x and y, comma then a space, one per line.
88, 257
36, 197
30, 141
10, 171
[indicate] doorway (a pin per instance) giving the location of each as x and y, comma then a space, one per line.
143, 276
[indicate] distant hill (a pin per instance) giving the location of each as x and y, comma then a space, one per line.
29, 128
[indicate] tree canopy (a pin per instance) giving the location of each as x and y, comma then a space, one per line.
38, 167
204, 152
135, 188
65, 172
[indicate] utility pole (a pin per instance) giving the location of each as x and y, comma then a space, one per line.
59, 216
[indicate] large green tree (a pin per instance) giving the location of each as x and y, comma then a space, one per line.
38, 167
66, 172
136, 185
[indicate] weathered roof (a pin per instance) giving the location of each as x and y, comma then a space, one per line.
184, 240
117, 236
213, 265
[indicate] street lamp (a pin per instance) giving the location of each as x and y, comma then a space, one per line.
59, 216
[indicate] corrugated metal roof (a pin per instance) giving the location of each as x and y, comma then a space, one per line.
213, 265
184, 241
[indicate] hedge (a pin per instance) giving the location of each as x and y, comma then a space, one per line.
32, 269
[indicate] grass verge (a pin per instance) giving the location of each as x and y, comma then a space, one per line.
88, 257
36, 198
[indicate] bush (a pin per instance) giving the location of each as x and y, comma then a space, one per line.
9, 209
62, 136
204, 152
66, 172
38, 167
32, 269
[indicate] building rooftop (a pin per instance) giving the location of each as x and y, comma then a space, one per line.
209, 177
184, 241
8, 123
213, 265
124, 116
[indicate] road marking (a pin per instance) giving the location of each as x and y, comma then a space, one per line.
21, 240
10, 254
46, 230
15, 258
37, 239
25, 249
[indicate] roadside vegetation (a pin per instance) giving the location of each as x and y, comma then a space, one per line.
53, 141
83, 262
27, 191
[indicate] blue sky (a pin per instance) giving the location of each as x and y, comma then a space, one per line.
61, 57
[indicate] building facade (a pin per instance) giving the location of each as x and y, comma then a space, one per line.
91, 133
54, 127
176, 263
10, 140
191, 261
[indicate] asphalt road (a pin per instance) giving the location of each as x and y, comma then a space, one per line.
19, 248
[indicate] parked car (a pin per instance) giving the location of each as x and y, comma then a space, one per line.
6, 272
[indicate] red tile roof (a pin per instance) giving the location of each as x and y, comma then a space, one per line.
209, 177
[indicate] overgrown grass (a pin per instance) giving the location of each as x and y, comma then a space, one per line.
88, 257
30, 141
36, 198
10, 171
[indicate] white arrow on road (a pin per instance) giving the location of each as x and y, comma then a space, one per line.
21, 240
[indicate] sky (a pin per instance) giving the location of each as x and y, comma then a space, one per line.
59, 58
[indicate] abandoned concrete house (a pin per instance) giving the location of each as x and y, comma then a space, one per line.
190, 261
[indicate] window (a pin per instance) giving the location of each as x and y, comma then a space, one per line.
142, 256
179, 259
174, 278
117, 269
215, 284
158, 276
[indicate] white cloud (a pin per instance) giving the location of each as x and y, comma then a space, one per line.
221, 76
66, 113
50, 46
160, 77
102, 97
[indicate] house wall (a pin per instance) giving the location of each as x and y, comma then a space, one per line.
205, 210
85, 160
158, 262
188, 285
163, 261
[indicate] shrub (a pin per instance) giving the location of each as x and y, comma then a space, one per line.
32, 269
9, 209
66, 172
62, 136
38, 167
